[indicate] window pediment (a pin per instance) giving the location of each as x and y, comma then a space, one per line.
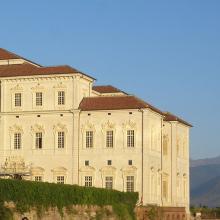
59, 127
108, 126
60, 85
38, 87
87, 169
129, 125
17, 88
108, 170
59, 170
37, 170
37, 128
129, 170
88, 126
16, 129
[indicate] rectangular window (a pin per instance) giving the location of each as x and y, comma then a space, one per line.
130, 138
130, 162
109, 139
38, 179
109, 162
89, 139
17, 99
61, 139
61, 98
38, 140
60, 179
17, 141
88, 181
87, 163
130, 184
39, 98
109, 182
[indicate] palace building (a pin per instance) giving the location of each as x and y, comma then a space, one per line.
57, 126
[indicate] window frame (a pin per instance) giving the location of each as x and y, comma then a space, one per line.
130, 136
39, 140
130, 183
38, 99
110, 139
61, 98
38, 178
17, 100
61, 139
89, 139
60, 179
17, 141
109, 182
88, 181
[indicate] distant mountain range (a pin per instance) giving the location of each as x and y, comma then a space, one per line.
205, 182
206, 161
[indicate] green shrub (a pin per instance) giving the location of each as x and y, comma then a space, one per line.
26, 194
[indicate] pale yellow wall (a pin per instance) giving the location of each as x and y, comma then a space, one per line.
176, 164
120, 153
71, 161
152, 157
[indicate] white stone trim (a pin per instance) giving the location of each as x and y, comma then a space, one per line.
88, 126
12, 130
86, 171
60, 87
59, 127
129, 171
108, 126
35, 129
108, 171
129, 125
59, 171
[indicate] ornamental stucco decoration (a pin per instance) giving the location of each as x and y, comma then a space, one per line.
15, 129
87, 169
15, 164
37, 170
17, 88
108, 125
60, 85
60, 127
108, 171
61, 170
88, 126
129, 170
38, 87
129, 125
37, 128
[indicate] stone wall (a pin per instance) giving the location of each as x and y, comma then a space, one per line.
77, 212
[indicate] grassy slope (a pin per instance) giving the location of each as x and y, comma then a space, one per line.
26, 194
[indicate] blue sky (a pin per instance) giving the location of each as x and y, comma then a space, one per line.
166, 52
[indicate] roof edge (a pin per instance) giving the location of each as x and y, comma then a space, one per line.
171, 117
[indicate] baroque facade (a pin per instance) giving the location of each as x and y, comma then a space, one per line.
59, 127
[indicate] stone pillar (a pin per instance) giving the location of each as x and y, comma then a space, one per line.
75, 151
174, 163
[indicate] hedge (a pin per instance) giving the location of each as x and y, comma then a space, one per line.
27, 194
